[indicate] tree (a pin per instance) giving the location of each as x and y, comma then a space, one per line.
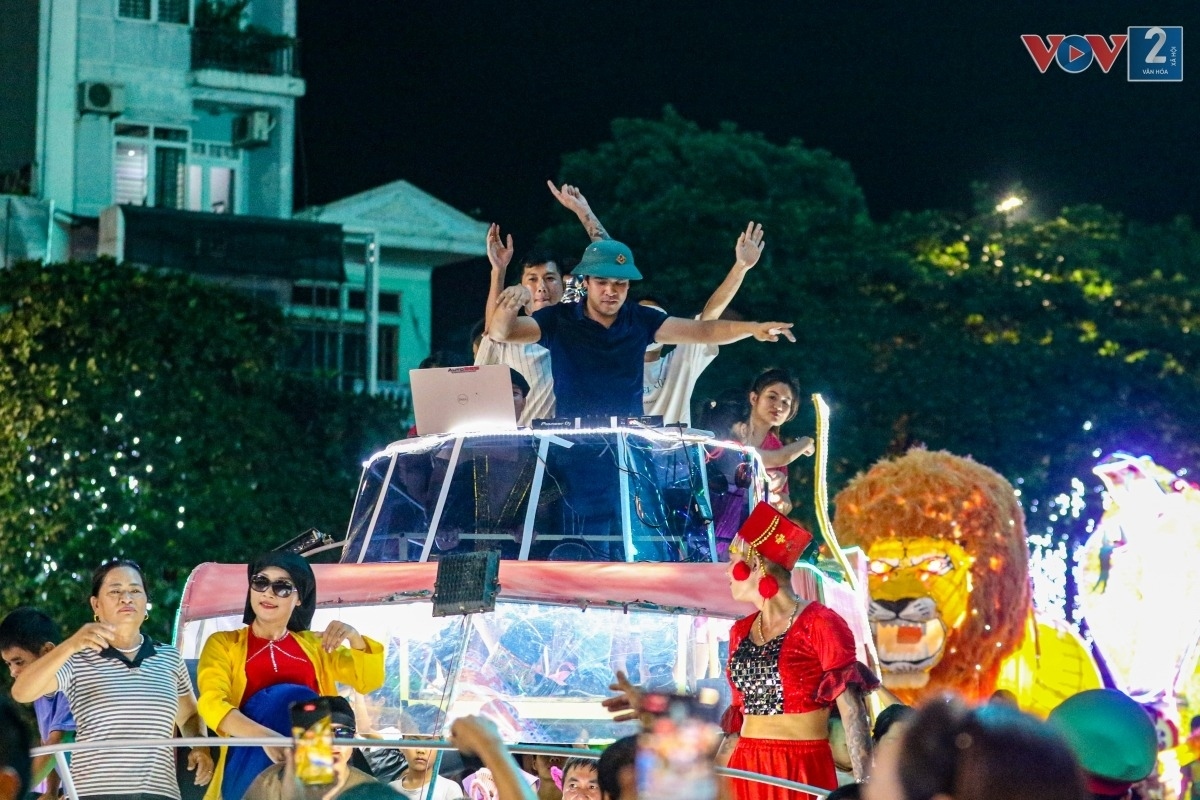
1029, 344
1054, 341
143, 416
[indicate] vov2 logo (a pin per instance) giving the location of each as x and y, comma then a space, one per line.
1155, 52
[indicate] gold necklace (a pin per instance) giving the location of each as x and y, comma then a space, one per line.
759, 625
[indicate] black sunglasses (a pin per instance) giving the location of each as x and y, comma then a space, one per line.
342, 732
281, 588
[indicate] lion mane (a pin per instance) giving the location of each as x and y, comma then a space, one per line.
939, 496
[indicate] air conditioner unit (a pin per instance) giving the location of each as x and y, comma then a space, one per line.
101, 98
252, 129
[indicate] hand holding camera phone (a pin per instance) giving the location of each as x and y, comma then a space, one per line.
312, 736
675, 753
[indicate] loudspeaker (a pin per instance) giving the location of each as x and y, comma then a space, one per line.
466, 583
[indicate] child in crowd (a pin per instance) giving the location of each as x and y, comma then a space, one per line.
26, 635
414, 782
548, 770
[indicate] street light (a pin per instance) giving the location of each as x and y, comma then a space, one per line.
1009, 203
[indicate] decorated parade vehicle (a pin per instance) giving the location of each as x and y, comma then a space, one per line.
514, 573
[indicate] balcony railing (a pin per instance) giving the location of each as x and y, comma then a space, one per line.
247, 51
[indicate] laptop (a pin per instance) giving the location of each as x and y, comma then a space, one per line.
462, 399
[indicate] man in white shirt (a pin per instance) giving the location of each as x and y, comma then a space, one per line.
541, 275
670, 379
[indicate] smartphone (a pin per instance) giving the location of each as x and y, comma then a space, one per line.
312, 739
675, 751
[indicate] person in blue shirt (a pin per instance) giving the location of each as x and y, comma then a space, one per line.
597, 346
26, 635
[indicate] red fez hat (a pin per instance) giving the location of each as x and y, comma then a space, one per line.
773, 536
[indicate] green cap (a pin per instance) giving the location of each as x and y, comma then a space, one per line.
1111, 735
608, 259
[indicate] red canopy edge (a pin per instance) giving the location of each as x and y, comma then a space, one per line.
215, 590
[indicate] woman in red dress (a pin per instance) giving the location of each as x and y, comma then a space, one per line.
789, 663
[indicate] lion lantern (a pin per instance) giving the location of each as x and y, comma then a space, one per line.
948, 576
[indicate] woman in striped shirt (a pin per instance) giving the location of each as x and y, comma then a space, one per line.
121, 685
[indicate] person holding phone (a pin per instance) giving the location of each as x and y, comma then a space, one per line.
273, 782
250, 676
121, 684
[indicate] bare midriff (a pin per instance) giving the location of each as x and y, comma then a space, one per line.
808, 725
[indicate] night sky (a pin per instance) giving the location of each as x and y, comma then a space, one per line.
476, 102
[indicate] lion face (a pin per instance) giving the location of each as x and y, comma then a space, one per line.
949, 579
919, 590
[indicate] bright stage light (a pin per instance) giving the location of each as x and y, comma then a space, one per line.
1009, 204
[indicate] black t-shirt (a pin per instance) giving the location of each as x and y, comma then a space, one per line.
597, 370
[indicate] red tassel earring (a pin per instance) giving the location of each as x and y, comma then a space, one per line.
741, 571
768, 587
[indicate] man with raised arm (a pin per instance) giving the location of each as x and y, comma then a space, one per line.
541, 276
669, 380
597, 346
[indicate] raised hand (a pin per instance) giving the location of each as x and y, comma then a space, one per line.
338, 632
771, 331
92, 636
514, 298
499, 252
749, 245
474, 734
570, 197
807, 445
626, 701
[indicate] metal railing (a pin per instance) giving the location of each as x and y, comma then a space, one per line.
247, 51
60, 751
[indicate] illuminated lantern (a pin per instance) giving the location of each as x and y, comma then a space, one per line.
950, 605
1137, 580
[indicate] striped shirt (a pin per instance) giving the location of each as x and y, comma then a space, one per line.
533, 362
117, 699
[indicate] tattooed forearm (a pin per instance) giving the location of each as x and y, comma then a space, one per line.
858, 730
595, 230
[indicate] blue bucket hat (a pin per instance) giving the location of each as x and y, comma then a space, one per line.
608, 259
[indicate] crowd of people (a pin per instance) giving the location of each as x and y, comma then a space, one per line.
798, 711
588, 354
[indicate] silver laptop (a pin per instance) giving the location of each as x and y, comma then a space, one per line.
462, 399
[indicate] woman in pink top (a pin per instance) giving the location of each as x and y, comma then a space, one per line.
774, 400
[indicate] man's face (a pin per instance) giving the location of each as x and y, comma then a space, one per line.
341, 753
581, 783
605, 296
544, 283
17, 659
518, 400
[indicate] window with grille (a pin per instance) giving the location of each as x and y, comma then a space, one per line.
389, 302
389, 353
176, 11
131, 173
134, 9
169, 177
173, 11
146, 170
